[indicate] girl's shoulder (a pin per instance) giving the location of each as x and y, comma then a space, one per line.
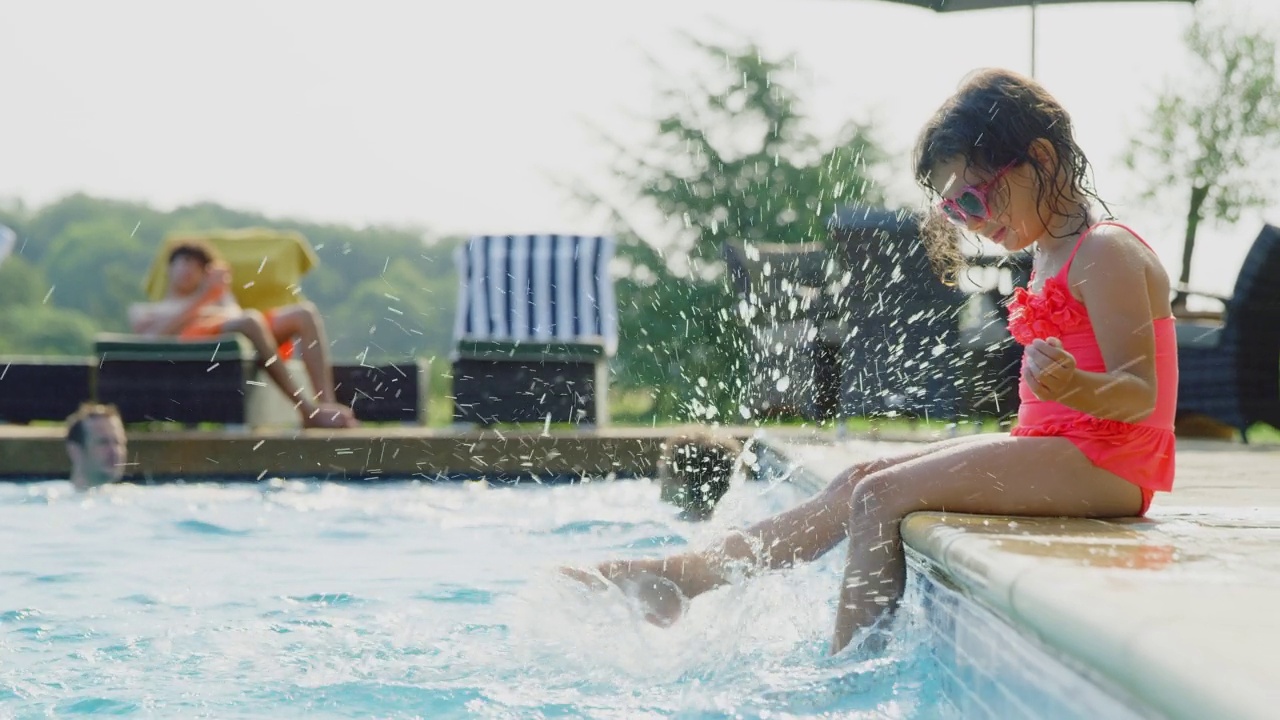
1111, 245
1113, 255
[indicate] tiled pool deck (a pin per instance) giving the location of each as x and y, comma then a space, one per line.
1179, 611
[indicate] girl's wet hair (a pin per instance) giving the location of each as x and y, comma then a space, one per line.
992, 121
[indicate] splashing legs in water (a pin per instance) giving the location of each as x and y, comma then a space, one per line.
659, 599
800, 534
995, 475
981, 474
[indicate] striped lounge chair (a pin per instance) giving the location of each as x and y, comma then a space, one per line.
1230, 371
536, 325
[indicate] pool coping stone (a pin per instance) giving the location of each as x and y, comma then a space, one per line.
1176, 610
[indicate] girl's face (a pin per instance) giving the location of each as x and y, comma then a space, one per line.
1009, 196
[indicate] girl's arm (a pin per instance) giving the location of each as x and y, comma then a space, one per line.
1124, 291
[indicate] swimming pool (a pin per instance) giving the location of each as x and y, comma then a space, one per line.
292, 599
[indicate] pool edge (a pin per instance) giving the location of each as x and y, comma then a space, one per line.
1130, 602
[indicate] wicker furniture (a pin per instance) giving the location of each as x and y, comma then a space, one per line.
1230, 371
394, 392
43, 387
172, 380
790, 295
900, 345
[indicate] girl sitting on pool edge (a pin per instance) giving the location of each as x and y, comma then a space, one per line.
1094, 437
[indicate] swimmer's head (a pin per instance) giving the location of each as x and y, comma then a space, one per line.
96, 444
695, 471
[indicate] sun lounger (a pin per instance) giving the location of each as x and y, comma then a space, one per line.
536, 326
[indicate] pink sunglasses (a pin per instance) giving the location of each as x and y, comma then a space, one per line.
971, 203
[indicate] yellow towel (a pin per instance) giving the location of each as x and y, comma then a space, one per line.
266, 265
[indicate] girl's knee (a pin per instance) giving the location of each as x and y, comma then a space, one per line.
878, 496
843, 487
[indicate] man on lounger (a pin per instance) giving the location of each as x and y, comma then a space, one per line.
198, 303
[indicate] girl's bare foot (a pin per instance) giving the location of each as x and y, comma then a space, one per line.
658, 598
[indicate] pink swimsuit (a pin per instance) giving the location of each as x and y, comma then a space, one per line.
1140, 452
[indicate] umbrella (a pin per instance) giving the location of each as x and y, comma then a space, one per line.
959, 5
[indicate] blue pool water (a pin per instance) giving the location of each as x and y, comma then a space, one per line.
291, 599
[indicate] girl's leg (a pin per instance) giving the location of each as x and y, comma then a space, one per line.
303, 321
997, 475
800, 534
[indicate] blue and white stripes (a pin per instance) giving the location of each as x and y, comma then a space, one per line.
536, 288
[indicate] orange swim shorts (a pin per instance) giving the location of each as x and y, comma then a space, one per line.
208, 327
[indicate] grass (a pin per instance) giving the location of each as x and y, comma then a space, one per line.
629, 407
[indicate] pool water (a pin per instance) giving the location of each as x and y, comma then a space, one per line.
295, 599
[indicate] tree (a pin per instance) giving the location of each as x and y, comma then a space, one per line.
96, 266
1214, 129
730, 160
45, 330
21, 283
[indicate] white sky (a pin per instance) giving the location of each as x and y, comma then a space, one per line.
454, 115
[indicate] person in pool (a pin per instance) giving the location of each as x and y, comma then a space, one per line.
198, 303
695, 470
1094, 436
97, 445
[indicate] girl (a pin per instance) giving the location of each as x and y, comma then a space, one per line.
1094, 436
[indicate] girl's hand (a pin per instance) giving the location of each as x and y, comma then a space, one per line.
1049, 370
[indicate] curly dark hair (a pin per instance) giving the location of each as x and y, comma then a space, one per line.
198, 250
695, 470
992, 121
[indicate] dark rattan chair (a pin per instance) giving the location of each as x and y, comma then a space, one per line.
789, 289
901, 344
1231, 372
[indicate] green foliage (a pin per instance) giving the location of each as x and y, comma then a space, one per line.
1210, 132
404, 313
21, 283
93, 266
730, 159
38, 329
